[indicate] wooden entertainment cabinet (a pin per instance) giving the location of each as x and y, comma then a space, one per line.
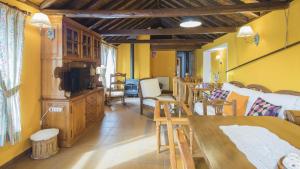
72, 45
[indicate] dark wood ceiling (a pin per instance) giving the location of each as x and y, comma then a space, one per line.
102, 25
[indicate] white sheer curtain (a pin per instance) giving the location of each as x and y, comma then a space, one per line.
108, 59
11, 51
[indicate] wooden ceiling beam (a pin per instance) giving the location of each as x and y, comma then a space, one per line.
174, 47
133, 6
152, 13
163, 41
29, 3
169, 31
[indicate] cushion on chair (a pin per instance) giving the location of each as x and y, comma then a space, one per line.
219, 94
151, 102
150, 88
241, 104
263, 108
116, 93
198, 108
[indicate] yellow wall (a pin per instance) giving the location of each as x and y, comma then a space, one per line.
278, 71
30, 90
141, 59
164, 64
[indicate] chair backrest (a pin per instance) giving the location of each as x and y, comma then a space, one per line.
150, 87
117, 80
185, 153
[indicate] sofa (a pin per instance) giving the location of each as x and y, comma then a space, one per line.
285, 99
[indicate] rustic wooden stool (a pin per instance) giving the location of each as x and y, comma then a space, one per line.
44, 143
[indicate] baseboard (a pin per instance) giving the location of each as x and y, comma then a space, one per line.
18, 157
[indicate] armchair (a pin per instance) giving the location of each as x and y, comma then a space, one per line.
150, 92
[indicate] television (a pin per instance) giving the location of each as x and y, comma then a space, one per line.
76, 80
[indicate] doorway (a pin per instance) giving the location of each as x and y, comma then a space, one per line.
215, 64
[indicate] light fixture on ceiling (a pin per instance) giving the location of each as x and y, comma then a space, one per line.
41, 20
190, 23
249, 35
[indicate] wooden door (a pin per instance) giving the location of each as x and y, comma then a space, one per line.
71, 42
78, 112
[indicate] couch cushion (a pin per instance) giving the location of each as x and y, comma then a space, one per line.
198, 108
151, 102
219, 94
287, 102
253, 95
263, 108
241, 104
230, 87
150, 88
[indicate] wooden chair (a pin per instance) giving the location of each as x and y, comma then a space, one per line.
150, 92
218, 106
116, 88
186, 149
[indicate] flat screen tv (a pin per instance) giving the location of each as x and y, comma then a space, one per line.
76, 80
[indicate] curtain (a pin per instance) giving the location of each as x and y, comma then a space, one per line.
11, 49
108, 59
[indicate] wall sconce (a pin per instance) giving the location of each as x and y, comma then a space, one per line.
218, 57
248, 34
42, 21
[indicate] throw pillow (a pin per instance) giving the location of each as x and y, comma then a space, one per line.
218, 94
241, 104
263, 108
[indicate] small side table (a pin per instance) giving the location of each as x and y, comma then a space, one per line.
293, 116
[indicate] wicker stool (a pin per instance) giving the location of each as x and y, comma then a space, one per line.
44, 143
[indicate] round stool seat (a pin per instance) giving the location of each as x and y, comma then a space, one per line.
44, 143
44, 134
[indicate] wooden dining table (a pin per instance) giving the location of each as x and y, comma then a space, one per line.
220, 152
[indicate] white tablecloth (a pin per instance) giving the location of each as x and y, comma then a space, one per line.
261, 147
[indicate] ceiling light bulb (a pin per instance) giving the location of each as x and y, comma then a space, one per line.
190, 23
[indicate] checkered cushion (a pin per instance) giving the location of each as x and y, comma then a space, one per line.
263, 108
219, 94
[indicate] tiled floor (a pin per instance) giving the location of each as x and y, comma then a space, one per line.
124, 139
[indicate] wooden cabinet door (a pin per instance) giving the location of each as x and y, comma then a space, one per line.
100, 104
78, 117
71, 42
91, 107
86, 45
97, 49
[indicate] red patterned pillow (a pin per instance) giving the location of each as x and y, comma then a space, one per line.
263, 108
219, 94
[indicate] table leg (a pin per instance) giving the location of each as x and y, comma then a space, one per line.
158, 141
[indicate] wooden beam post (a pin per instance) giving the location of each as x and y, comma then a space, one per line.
169, 31
168, 12
163, 41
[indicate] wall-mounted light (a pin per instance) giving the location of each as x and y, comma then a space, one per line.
219, 58
249, 35
41, 20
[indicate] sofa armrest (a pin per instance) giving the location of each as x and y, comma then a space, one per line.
293, 116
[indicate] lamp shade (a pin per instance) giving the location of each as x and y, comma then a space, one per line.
190, 23
40, 20
245, 31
